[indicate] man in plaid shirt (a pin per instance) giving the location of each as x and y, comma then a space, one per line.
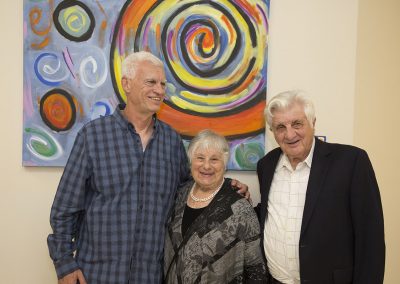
113, 200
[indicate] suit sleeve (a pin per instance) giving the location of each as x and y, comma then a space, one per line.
366, 210
257, 208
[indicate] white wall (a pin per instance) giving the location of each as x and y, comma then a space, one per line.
312, 47
377, 111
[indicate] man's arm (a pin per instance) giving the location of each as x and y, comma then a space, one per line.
184, 171
242, 188
367, 215
68, 209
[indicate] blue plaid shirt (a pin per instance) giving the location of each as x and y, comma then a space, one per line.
113, 202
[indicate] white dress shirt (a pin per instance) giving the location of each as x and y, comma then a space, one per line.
285, 213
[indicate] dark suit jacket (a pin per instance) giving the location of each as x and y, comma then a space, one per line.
342, 234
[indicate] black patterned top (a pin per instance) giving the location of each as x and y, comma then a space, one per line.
221, 246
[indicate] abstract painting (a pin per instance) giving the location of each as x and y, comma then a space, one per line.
215, 55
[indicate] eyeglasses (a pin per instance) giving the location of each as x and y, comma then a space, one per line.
151, 83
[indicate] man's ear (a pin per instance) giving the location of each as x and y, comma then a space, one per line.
125, 84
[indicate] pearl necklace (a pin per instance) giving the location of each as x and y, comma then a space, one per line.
195, 199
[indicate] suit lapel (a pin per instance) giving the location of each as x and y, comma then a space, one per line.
319, 168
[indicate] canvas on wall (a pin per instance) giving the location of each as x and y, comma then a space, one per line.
215, 55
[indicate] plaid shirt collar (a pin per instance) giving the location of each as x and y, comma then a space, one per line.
125, 124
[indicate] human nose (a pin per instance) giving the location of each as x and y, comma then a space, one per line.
206, 164
290, 132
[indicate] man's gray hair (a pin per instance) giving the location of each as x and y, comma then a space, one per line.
206, 140
132, 61
286, 100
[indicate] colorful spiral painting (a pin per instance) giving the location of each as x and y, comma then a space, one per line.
215, 55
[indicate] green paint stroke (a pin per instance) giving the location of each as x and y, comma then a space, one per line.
248, 154
74, 20
48, 149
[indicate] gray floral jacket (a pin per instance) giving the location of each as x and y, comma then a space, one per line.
222, 245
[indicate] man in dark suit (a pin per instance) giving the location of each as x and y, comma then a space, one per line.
320, 212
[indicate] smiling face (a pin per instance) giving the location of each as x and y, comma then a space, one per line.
293, 132
208, 168
145, 92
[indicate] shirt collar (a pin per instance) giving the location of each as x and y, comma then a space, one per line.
123, 122
309, 158
284, 160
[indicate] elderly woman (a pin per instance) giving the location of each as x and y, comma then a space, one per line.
213, 234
